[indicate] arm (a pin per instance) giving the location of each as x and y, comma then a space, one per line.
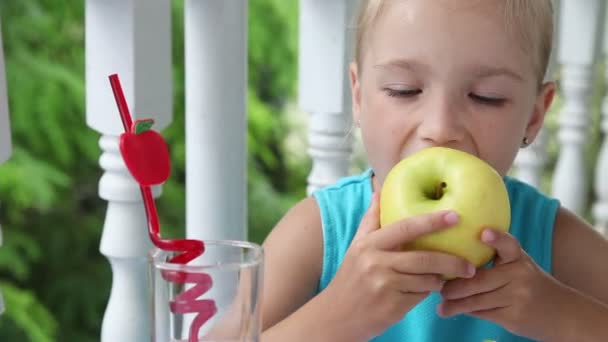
580, 256
374, 287
293, 258
580, 261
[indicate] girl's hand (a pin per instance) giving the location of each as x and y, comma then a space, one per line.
377, 283
515, 293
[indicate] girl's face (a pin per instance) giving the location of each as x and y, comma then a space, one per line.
445, 73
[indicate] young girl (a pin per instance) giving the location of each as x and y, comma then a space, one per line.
465, 74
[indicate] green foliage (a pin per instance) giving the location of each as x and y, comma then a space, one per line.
29, 319
48, 188
55, 281
273, 184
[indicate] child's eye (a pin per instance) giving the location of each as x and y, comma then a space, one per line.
491, 101
402, 92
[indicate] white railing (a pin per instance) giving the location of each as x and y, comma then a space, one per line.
5, 132
324, 48
600, 207
531, 161
579, 51
216, 121
137, 46
578, 32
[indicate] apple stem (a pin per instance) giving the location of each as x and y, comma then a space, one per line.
439, 190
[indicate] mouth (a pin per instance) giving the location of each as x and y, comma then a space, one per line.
466, 150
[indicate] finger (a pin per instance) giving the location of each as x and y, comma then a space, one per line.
493, 315
486, 280
400, 232
371, 219
428, 262
507, 247
420, 284
497, 299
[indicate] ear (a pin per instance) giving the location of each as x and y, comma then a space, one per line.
544, 100
355, 90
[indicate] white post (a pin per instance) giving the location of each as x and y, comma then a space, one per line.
216, 124
325, 40
578, 35
600, 208
5, 130
133, 39
531, 161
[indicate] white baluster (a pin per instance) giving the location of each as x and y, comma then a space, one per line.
330, 146
531, 160
325, 38
5, 130
130, 38
578, 28
600, 208
125, 243
216, 124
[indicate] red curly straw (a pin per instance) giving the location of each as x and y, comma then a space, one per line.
185, 302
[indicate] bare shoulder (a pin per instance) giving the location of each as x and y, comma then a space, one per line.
579, 255
293, 261
301, 226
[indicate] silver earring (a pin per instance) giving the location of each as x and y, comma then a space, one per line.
525, 142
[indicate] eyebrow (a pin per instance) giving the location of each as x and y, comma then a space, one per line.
478, 71
402, 64
487, 71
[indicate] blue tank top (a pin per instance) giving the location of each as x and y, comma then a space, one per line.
342, 206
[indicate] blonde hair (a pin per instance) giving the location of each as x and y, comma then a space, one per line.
530, 20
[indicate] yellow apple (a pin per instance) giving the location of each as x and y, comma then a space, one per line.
440, 178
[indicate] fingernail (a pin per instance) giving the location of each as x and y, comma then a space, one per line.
450, 218
471, 270
439, 309
488, 235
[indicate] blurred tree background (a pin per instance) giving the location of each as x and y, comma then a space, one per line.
54, 279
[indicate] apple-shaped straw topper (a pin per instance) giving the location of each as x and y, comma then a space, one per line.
145, 153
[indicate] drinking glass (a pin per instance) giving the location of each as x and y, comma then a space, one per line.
215, 297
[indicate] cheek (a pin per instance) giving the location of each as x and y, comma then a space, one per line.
387, 113
373, 103
382, 138
499, 146
377, 117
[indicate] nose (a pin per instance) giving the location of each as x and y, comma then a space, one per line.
442, 124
